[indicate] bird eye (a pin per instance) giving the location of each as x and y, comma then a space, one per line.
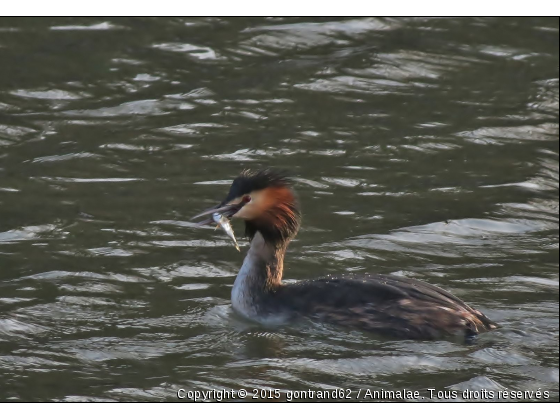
246, 198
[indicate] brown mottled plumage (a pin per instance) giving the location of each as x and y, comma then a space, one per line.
388, 305
391, 305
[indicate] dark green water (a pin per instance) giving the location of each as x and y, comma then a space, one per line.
422, 147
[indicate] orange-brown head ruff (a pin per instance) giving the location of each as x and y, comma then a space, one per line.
266, 202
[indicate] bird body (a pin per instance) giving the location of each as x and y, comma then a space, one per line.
389, 305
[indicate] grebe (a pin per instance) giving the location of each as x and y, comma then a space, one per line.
390, 305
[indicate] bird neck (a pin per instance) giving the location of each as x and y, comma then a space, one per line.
259, 276
263, 266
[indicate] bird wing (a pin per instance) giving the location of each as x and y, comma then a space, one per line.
386, 304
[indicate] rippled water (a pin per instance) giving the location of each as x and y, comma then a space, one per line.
422, 147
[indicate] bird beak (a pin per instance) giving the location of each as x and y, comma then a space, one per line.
227, 210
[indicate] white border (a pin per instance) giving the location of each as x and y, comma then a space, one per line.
279, 8
234, 411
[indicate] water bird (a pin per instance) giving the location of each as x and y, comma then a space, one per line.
384, 304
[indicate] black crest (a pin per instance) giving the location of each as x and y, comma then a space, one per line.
250, 180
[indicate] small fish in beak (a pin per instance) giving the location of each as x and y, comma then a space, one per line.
220, 215
223, 222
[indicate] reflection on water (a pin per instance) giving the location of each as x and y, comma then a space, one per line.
422, 147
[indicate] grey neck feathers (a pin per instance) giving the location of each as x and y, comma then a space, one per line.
258, 279
263, 266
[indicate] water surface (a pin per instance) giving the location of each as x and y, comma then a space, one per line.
422, 147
